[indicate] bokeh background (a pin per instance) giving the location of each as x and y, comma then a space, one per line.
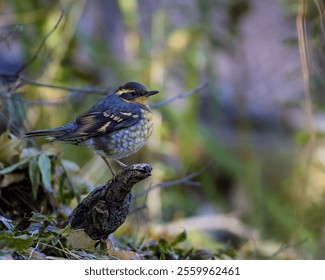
254, 128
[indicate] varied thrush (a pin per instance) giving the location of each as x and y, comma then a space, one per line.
115, 127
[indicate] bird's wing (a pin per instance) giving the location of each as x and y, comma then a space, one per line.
94, 123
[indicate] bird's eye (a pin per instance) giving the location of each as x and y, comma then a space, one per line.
134, 94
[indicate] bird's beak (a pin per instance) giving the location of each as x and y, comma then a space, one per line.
151, 92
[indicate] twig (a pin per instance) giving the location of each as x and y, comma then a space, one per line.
25, 80
67, 252
304, 58
55, 102
22, 81
33, 250
184, 180
34, 57
85, 90
31, 82
310, 147
137, 209
284, 247
4, 38
179, 96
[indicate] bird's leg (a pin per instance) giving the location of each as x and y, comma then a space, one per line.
109, 166
119, 162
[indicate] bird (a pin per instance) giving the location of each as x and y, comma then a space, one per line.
114, 128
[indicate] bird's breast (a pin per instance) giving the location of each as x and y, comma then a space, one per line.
124, 142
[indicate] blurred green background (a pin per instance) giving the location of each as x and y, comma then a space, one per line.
256, 126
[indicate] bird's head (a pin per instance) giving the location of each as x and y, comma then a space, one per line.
134, 92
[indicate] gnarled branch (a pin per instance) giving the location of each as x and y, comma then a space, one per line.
105, 209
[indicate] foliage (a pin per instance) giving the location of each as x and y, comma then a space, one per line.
35, 181
164, 250
276, 189
38, 236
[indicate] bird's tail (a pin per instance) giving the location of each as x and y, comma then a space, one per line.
53, 134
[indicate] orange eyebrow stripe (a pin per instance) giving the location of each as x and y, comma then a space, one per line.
121, 91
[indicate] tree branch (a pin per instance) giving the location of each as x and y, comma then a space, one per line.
186, 180
105, 209
179, 96
65, 88
34, 57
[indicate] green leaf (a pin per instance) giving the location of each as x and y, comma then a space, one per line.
15, 243
79, 239
37, 217
163, 245
13, 167
179, 238
34, 175
44, 165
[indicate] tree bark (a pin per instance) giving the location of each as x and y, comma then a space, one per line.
105, 209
